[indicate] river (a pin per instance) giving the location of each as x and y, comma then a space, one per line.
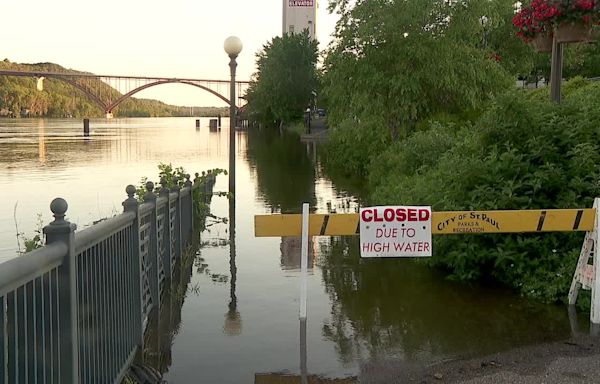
361, 313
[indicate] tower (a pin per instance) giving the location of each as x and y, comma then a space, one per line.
299, 15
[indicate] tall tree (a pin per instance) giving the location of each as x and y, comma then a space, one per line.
397, 63
282, 87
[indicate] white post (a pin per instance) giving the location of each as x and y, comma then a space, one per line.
304, 262
595, 309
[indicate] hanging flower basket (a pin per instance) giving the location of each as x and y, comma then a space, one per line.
542, 43
571, 20
572, 33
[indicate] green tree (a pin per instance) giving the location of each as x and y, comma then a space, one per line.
524, 152
281, 88
395, 64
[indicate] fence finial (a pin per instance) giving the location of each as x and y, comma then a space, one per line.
148, 196
176, 186
130, 203
164, 190
59, 207
130, 190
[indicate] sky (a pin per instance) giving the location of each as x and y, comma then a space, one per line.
173, 38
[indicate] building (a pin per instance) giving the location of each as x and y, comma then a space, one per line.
299, 15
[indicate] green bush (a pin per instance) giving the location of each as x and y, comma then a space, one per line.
524, 152
353, 144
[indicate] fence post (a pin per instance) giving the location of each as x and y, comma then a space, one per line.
154, 254
61, 230
166, 193
177, 227
132, 205
190, 208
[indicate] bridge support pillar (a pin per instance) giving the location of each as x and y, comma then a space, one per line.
40, 83
86, 127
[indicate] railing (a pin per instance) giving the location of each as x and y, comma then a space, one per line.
75, 310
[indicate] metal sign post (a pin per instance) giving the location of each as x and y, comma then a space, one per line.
304, 262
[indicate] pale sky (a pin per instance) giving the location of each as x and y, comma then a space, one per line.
171, 38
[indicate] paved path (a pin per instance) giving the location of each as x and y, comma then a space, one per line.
572, 361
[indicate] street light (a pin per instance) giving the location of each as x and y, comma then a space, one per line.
232, 46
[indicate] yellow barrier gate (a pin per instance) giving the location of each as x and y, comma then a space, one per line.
444, 223
586, 276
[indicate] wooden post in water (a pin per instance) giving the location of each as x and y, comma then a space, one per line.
86, 127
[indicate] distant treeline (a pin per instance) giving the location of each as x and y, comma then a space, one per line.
19, 97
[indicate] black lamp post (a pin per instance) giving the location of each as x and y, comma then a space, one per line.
233, 46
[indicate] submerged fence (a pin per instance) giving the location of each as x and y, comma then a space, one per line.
75, 310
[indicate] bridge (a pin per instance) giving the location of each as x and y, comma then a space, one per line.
108, 91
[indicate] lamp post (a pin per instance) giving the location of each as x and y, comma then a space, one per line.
484, 22
233, 46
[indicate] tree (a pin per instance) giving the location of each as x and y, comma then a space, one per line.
395, 64
281, 88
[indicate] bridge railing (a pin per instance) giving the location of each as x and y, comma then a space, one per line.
76, 309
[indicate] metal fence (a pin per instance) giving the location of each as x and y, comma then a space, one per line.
75, 310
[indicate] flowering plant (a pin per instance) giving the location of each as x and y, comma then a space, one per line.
541, 16
585, 12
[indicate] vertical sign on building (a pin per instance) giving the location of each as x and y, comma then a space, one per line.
301, 3
395, 231
298, 16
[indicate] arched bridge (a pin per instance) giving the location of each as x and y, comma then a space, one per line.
108, 91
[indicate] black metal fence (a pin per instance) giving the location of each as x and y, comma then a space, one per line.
75, 310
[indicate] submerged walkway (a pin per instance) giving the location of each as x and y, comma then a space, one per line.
576, 360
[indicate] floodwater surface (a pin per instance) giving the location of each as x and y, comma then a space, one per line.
239, 320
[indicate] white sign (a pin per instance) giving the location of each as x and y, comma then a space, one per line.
395, 231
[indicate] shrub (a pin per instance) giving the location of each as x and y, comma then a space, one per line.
523, 153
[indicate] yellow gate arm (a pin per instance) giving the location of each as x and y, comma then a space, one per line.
443, 223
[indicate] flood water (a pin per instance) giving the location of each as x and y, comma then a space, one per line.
239, 320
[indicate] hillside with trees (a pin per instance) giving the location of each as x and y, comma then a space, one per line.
19, 97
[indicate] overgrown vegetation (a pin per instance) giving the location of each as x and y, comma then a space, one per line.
25, 243
202, 189
422, 100
523, 153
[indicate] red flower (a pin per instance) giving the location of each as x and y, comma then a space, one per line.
542, 16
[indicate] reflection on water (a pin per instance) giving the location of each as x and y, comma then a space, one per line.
285, 174
400, 308
233, 319
291, 248
42, 141
359, 311
44, 158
